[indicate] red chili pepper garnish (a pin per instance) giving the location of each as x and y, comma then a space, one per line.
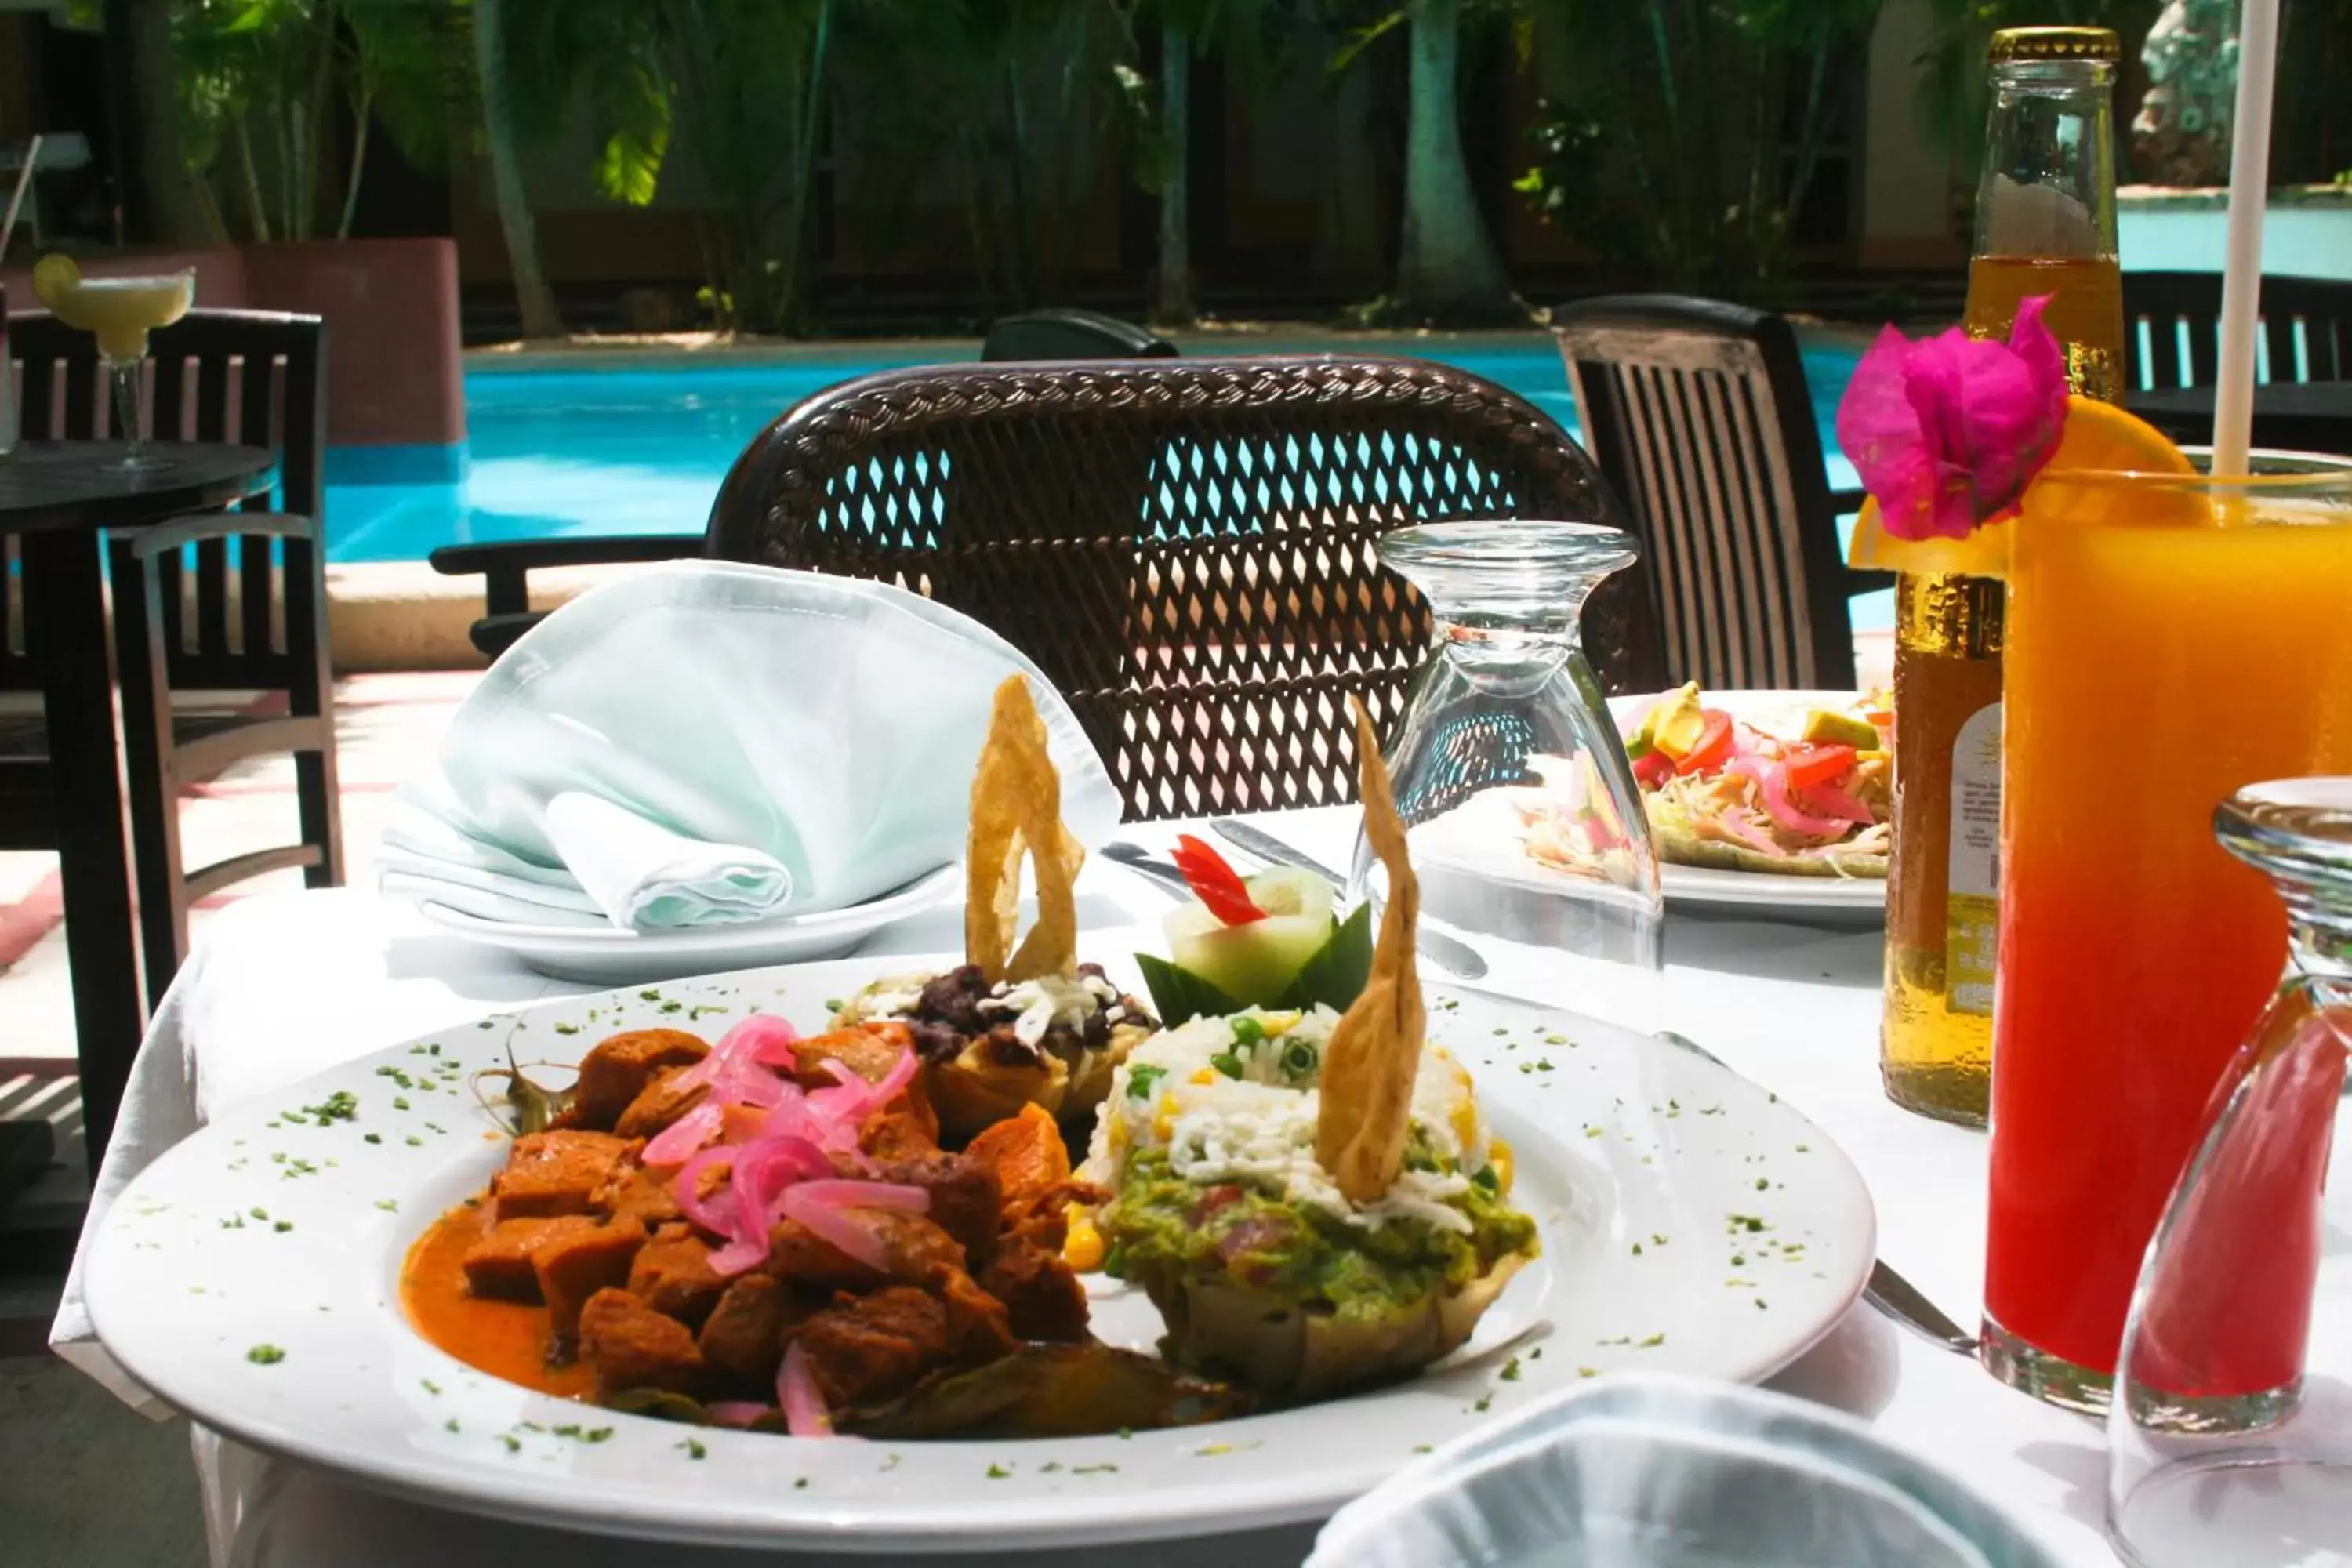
1214, 882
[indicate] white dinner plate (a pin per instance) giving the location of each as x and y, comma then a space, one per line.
607, 955
1691, 1223
1843, 898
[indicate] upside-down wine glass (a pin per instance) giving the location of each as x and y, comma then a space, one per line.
2231, 1437
1526, 824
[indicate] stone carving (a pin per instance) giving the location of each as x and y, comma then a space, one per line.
2182, 130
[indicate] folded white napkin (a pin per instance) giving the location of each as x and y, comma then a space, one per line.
705, 744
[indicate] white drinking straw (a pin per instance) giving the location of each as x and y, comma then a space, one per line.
24, 183
2241, 273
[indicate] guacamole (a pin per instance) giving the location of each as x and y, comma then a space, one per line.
1165, 1232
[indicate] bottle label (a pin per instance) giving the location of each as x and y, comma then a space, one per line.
1972, 907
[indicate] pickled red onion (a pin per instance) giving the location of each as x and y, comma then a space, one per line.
852, 1098
764, 1172
760, 1038
679, 1141
1736, 824
797, 1116
835, 1193
824, 1207
788, 1167
734, 1412
1831, 801
1772, 783
716, 1213
805, 1415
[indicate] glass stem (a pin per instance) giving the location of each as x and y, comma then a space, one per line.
125, 373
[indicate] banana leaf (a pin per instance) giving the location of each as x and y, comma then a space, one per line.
1050, 1390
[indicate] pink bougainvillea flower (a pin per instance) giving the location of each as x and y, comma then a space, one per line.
1947, 432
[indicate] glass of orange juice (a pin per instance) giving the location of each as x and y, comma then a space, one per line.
2171, 639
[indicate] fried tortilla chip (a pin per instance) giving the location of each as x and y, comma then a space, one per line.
1374, 1054
1016, 810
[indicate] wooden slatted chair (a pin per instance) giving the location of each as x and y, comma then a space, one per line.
2172, 333
1698, 413
233, 603
1184, 547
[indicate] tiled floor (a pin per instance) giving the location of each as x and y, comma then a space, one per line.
387, 726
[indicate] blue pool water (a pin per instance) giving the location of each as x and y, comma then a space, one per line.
558, 449
642, 449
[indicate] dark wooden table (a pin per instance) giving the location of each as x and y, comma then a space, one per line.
2289, 416
63, 498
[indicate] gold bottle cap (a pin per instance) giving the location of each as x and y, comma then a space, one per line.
2056, 44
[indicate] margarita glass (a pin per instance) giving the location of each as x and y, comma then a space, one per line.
119, 312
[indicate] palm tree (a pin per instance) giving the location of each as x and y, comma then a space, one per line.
535, 299
1173, 296
1014, 100
750, 80
1447, 268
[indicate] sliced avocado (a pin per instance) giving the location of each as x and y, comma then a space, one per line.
1677, 724
1823, 728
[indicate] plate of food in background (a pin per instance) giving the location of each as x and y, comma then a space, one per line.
1771, 799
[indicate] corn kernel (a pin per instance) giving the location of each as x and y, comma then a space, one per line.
1082, 1247
1498, 1154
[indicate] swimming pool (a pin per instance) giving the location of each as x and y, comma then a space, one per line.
561, 448
557, 449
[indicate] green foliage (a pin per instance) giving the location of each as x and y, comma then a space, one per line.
260, 82
1693, 134
599, 59
1953, 73
1016, 106
748, 82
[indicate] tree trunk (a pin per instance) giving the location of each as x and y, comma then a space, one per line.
1347, 231
164, 210
1174, 305
1446, 267
1027, 289
801, 253
256, 211
536, 301
360, 113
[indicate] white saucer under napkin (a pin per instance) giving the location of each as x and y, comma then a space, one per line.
705, 744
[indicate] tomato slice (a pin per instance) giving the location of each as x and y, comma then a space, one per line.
1214, 882
1811, 766
1651, 769
1713, 748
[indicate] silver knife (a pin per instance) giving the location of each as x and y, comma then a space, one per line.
1886, 1290
1139, 859
1456, 958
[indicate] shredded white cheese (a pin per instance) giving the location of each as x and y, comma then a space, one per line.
1259, 1128
1043, 1002
892, 1004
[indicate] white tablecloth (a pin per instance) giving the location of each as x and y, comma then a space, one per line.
285, 986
